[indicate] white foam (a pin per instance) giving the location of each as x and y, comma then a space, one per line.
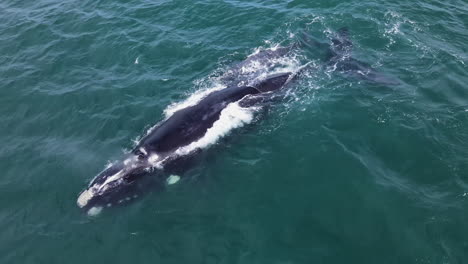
281, 65
233, 116
252, 67
192, 100
255, 52
315, 19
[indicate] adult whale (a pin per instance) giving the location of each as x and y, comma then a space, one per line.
174, 141
168, 144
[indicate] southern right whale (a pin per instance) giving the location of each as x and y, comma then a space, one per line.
170, 145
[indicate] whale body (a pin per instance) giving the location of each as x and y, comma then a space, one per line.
161, 147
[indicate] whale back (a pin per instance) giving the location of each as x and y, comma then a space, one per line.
191, 123
273, 82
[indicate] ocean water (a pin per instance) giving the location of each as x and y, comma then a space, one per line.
339, 171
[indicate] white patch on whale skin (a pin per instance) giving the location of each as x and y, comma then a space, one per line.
172, 179
143, 150
156, 161
255, 52
127, 161
84, 198
110, 179
93, 211
233, 116
153, 158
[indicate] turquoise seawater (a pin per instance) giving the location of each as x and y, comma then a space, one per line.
340, 171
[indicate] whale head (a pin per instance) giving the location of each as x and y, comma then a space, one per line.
119, 183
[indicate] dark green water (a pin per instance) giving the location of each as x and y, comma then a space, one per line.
342, 171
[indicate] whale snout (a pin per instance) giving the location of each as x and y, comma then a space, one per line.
117, 184
84, 198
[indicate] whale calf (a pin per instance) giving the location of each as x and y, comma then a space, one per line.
168, 147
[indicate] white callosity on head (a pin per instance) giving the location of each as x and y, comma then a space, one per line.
89, 193
117, 176
84, 197
130, 163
